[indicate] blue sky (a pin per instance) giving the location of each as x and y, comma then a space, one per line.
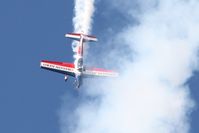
32, 30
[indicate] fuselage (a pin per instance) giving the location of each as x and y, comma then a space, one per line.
79, 61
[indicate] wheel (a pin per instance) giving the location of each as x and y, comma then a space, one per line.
66, 78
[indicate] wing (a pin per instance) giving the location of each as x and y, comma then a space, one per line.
60, 67
98, 72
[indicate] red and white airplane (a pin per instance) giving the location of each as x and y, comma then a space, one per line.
77, 70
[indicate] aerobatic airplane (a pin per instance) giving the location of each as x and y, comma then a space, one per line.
77, 70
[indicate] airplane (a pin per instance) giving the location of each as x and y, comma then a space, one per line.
77, 70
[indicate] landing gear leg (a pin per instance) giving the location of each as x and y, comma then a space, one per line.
77, 85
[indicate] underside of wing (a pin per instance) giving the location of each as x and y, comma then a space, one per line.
98, 72
60, 67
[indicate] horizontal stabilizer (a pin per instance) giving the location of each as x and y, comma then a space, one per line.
77, 36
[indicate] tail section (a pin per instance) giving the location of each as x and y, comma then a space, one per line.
78, 36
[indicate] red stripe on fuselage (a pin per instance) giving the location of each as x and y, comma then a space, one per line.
79, 51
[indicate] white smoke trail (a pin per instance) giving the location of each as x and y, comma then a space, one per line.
151, 95
82, 20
